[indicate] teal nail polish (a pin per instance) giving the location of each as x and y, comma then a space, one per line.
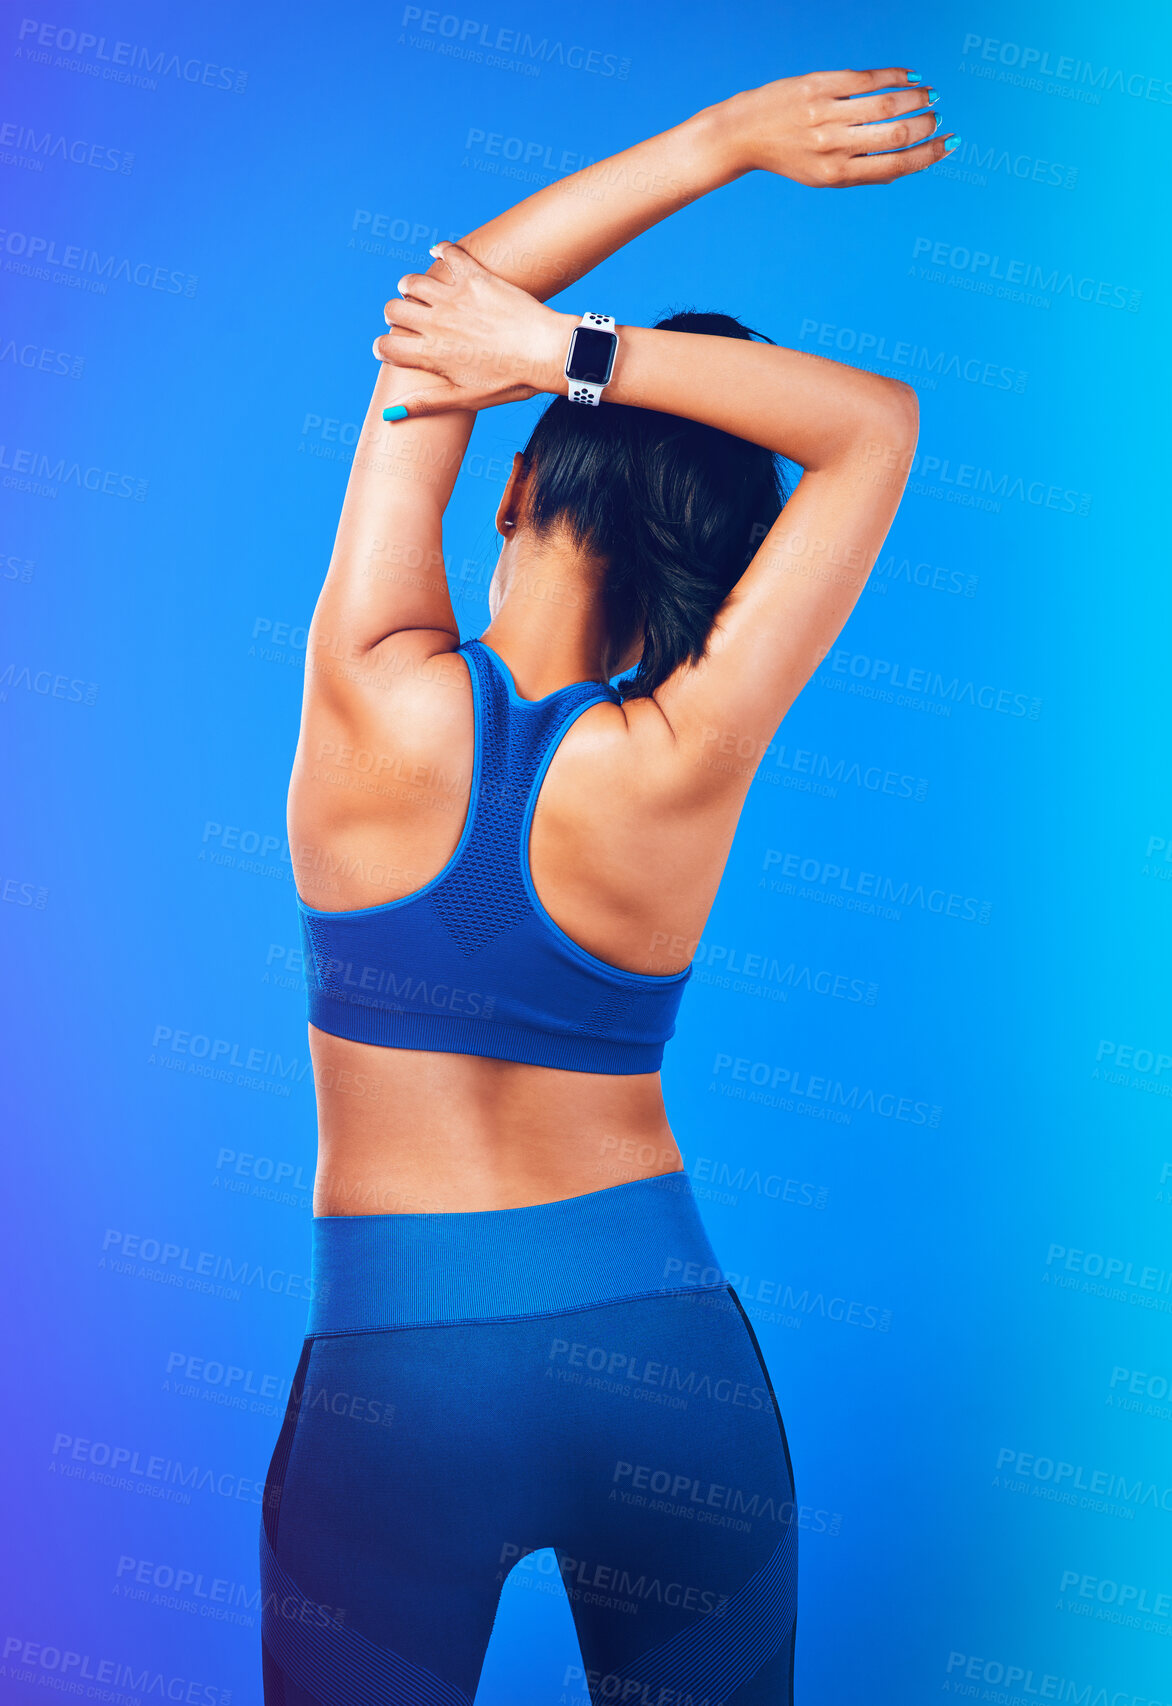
914, 77
953, 142
933, 97
395, 413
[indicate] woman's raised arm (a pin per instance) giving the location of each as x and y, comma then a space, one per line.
852, 432
386, 574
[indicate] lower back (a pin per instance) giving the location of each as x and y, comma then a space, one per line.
402, 1131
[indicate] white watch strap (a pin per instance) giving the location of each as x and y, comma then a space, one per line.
589, 390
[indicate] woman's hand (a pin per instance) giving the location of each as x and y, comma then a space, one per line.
488, 340
820, 129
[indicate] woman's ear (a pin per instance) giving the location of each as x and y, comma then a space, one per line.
512, 498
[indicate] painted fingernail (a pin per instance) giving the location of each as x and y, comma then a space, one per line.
933, 97
913, 77
395, 413
953, 142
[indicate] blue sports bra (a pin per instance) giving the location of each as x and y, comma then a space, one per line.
472, 963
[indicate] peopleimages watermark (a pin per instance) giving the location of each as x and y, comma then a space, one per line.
120, 61
34, 256
225, 1379
876, 885
1115, 1271
57, 1665
855, 1098
15, 893
202, 1267
39, 358
1139, 1383
1156, 844
1020, 1680
177, 1587
50, 684
623, 1364
1108, 1592
974, 487
734, 960
33, 148
42, 473
125, 1461
1142, 1060
691, 1494
219, 1050
896, 673
933, 577
525, 151
13, 568
392, 234
1080, 1478
1040, 62
902, 353
971, 162
503, 48
265, 1168
1026, 274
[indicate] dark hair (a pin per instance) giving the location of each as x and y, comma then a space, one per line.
675, 509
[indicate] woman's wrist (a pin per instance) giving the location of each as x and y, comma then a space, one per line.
720, 137
549, 360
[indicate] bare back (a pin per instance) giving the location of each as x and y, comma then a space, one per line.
626, 855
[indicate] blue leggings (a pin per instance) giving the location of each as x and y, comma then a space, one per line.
475, 1387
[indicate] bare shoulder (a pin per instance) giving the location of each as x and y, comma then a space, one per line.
383, 726
422, 686
409, 682
629, 761
629, 838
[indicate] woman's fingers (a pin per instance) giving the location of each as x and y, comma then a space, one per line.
418, 405
860, 82
871, 109
403, 349
401, 314
422, 287
459, 262
886, 168
444, 398
899, 133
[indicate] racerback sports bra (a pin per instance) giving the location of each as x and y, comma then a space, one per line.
472, 963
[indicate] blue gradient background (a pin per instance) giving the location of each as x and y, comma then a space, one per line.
1006, 1243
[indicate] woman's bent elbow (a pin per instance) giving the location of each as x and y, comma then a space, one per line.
887, 426
900, 418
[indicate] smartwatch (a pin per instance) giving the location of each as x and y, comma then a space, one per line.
590, 360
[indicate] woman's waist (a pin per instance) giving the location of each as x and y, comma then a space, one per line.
642, 1239
404, 1131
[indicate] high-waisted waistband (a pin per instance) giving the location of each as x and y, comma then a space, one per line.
412, 1270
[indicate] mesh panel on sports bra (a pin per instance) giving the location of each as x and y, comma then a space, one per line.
324, 962
484, 894
610, 1014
